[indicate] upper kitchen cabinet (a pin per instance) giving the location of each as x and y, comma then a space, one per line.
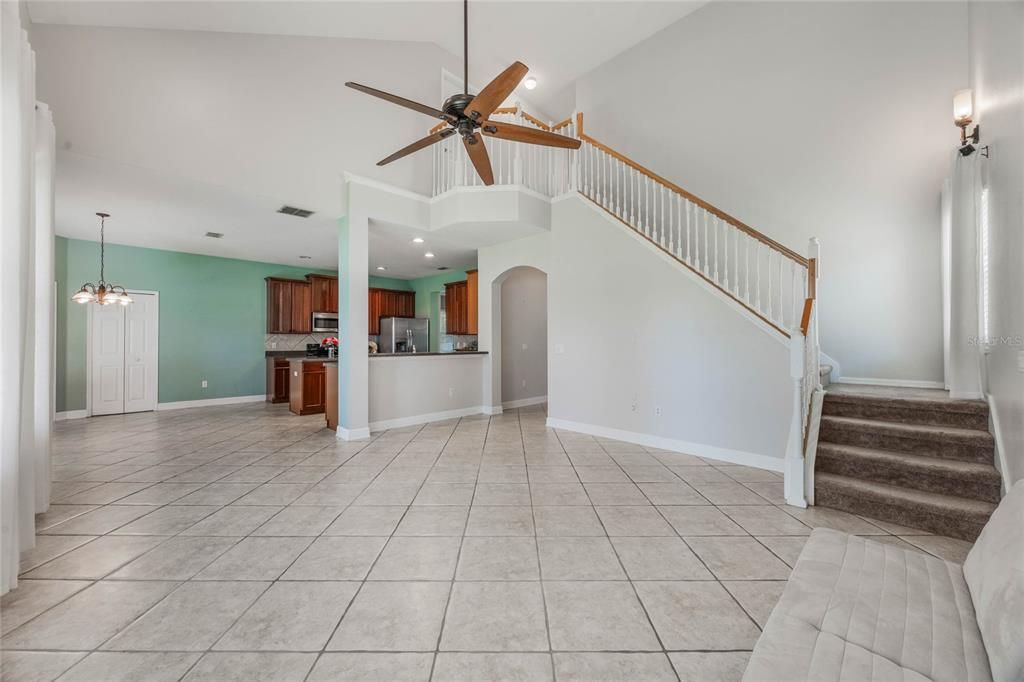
289, 309
389, 303
472, 302
323, 293
456, 308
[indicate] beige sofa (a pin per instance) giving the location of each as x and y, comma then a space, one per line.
856, 609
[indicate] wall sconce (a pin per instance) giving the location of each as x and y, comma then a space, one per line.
963, 114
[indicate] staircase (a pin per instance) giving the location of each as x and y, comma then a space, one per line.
914, 458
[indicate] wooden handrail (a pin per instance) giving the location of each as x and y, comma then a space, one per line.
789, 253
562, 124
805, 318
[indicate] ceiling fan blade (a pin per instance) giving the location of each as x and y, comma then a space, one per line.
517, 133
491, 97
403, 102
418, 145
478, 155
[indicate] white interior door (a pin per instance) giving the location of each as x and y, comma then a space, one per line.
140, 354
107, 359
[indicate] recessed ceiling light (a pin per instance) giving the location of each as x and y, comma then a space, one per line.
305, 257
428, 254
417, 240
381, 267
215, 235
530, 83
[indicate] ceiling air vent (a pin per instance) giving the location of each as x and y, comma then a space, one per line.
443, 267
215, 235
291, 210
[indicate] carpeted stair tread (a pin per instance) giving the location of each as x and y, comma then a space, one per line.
944, 514
973, 480
971, 414
940, 441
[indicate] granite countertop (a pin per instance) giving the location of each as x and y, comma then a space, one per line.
324, 360
408, 355
285, 354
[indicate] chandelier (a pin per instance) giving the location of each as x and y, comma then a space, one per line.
102, 292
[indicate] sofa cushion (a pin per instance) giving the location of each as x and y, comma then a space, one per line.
994, 571
858, 609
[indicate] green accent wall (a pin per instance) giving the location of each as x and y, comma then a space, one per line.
389, 283
212, 318
428, 295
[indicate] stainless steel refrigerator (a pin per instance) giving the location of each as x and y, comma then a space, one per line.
404, 335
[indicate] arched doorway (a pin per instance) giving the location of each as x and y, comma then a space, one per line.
520, 337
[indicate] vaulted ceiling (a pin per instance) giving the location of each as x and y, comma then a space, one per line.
188, 117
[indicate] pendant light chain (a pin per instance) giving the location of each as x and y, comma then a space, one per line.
102, 292
103, 221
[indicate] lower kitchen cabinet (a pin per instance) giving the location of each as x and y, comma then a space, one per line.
277, 380
331, 401
306, 387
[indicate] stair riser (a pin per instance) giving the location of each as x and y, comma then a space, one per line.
900, 512
985, 489
904, 415
947, 448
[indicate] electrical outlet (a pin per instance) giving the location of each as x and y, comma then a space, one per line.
524, 346
1020, 361
205, 383
634, 407
273, 345
524, 383
559, 348
451, 391
657, 411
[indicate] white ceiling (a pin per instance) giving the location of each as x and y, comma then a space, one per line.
559, 41
155, 210
239, 107
392, 246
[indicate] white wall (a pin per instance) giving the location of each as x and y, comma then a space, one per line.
810, 119
524, 335
414, 390
628, 326
997, 78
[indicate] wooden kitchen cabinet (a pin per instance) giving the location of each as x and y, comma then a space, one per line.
307, 388
472, 302
456, 308
389, 303
277, 380
302, 308
289, 309
331, 395
323, 293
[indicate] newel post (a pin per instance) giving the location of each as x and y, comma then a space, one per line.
793, 470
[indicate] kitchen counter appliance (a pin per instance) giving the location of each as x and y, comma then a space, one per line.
325, 322
315, 350
404, 335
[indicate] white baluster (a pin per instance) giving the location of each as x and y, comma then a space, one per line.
757, 280
768, 271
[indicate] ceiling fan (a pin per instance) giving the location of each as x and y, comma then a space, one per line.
468, 115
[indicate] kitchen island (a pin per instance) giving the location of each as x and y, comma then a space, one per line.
307, 385
415, 388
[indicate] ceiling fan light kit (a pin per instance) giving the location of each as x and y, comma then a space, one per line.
468, 114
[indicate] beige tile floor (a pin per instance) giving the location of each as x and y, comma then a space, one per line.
244, 543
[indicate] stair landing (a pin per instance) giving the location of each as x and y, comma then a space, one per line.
915, 457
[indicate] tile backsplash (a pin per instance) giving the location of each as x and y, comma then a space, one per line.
291, 341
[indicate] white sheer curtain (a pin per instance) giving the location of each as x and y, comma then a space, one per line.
962, 208
26, 306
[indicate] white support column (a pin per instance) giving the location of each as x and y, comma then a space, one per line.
793, 486
353, 292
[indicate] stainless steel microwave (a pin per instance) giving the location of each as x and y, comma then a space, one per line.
325, 322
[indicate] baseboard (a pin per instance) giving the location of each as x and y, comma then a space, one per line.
897, 383
750, 459
415, 420
70, 414
352, 434
524, 402
211, 402
492, 410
